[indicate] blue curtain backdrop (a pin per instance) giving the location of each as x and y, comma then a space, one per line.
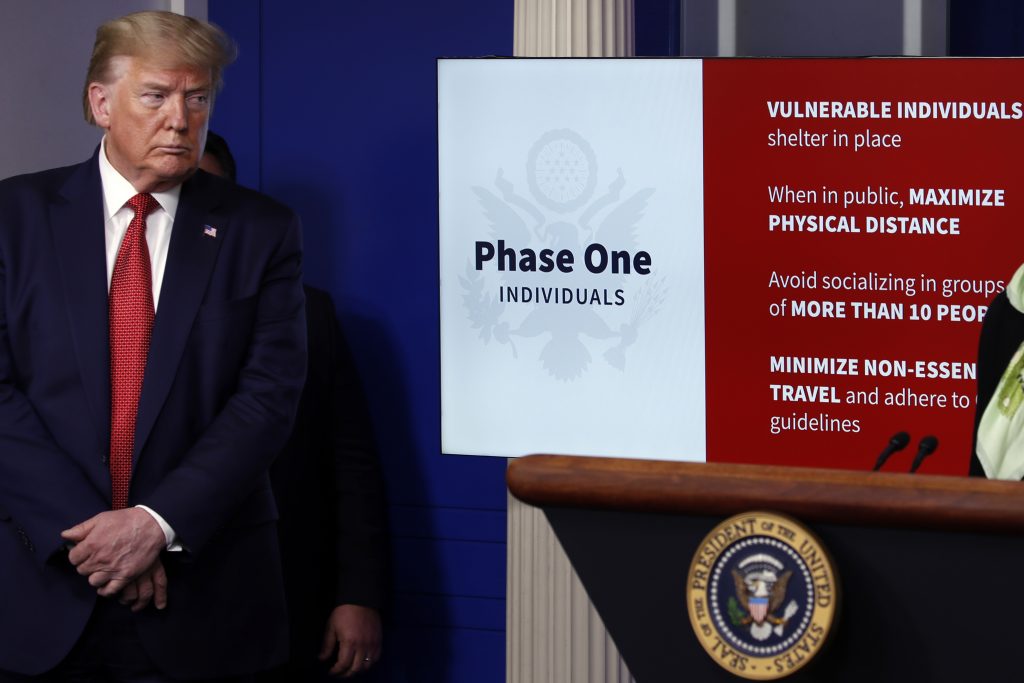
331, 108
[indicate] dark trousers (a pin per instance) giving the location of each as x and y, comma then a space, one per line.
109, 651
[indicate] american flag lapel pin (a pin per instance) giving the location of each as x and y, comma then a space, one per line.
210, 231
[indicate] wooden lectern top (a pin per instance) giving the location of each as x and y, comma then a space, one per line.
812, 494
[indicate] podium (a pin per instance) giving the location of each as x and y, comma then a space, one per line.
928, 565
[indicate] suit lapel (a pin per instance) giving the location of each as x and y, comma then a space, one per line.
76, 222
190, 263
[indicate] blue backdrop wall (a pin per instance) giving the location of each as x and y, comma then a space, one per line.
986, 28
331, 109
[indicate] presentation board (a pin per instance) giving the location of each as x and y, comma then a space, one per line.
776, 261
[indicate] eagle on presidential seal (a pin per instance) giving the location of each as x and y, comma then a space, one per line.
761, 583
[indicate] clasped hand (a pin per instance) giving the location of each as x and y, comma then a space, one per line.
119, 553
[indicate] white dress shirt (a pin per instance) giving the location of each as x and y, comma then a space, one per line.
117, 215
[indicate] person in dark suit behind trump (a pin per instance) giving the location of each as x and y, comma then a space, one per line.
152, 354
330, 494
333, 527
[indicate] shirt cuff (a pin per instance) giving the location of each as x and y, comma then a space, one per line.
172, 538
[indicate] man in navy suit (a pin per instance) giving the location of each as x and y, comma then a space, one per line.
155, 561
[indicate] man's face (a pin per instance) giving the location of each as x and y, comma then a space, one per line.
155, 118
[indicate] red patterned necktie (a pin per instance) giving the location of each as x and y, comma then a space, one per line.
131, 321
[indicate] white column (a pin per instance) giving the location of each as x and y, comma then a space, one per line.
727, 28
553, 632
913, 27
573, 28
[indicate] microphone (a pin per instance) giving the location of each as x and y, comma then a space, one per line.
898, 442
925, 448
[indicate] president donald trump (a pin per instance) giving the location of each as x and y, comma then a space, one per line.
151, 357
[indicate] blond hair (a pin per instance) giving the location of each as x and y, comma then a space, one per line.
163, 36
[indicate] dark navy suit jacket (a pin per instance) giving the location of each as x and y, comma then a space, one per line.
225, 369
330, 492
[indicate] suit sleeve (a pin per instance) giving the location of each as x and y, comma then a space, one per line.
43, 490
231, 457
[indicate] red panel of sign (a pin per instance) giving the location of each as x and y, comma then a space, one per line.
859, 216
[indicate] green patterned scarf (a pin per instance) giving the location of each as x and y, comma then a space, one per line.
1000, 445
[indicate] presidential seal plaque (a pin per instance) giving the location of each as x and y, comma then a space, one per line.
762, 595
